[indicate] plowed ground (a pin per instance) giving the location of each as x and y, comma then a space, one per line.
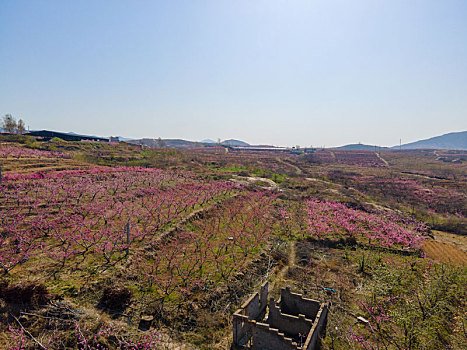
444, 252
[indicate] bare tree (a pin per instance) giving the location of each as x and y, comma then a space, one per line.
160, 143
20, 127
9, 123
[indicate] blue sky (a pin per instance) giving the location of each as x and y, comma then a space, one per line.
267, 72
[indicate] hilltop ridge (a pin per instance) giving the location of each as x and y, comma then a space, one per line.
451, 141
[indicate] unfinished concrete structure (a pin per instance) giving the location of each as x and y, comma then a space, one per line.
293, 323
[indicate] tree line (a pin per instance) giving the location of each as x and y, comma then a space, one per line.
10, 125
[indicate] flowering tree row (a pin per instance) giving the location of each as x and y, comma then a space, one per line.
358, 158
436, 198
81, 337
78, 212
329, 218
210, 249
22, 152
251, 161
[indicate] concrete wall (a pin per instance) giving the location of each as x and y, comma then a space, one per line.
241, 325
256, 304
292, 316
241, 329
250, 310
263, 296
293, 325
294, 304
318, 330
267, 338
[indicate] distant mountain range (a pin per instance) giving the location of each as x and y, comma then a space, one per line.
453, 141
184, 144
450, 141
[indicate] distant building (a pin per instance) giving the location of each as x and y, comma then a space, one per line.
114, 139
47, 135
259, 148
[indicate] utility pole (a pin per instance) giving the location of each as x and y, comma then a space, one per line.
127, 238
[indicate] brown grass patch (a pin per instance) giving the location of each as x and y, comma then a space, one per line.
444, 252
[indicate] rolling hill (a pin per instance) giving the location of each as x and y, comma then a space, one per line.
359, 147
233, 142
452, 141
183, 144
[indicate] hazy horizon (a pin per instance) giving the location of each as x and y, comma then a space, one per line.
321, 73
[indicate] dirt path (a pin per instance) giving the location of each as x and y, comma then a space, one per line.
292, 253
291, 261
297, 169
439, 178
281, 276
245, 180
382, 159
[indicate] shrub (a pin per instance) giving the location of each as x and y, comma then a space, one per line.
24, 293
115, 298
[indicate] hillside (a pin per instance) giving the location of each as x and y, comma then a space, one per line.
166, 143
233, 142
359, 147
453, 141
184, 144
